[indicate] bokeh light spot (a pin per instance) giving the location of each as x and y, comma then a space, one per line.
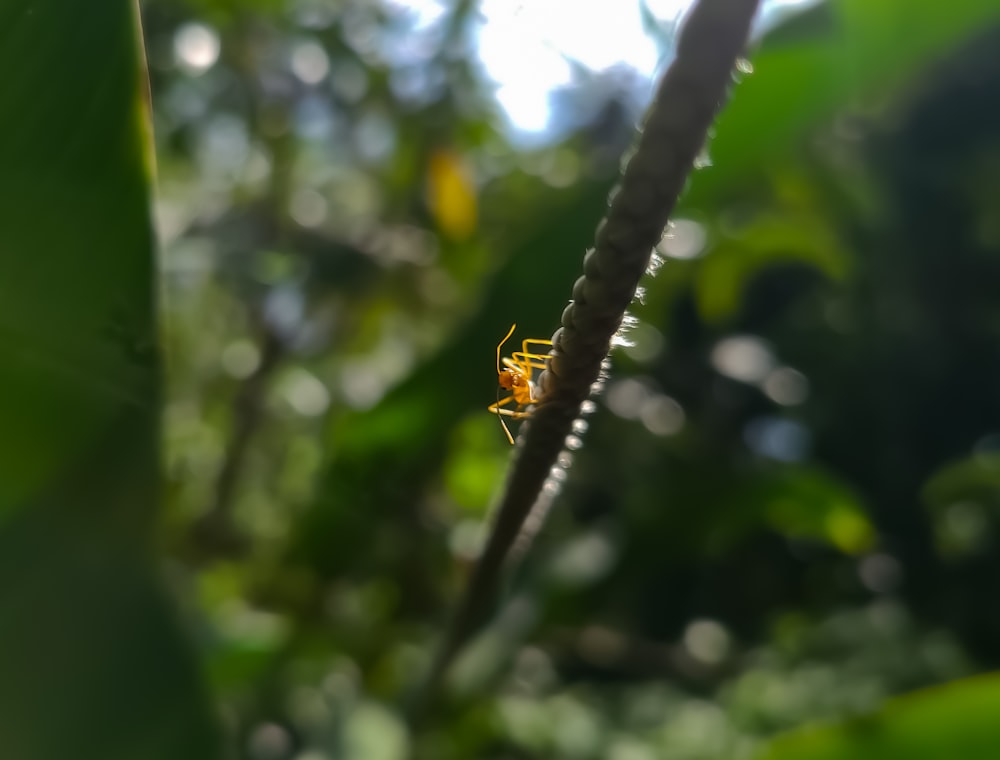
308, 207
269, 741
778, 439
196, 48
662, 415
304, 393
240, 358
786, 386
707, 641
310, 62
684, 239
746, 358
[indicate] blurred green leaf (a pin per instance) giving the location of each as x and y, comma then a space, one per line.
76, 269
476, 463
731, 265
957, 720
963, 498
864, 49
809, 503
805, 502
93, 662
974, 478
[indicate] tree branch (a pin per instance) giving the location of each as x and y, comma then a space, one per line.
215, 533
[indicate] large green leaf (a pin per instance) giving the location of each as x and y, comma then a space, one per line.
840, 54
958, 720
76, 268
93, 664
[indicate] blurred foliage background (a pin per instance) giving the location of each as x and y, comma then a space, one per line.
785, 508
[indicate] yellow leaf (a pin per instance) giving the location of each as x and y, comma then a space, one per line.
451, 195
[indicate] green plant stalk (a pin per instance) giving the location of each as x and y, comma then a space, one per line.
686, 103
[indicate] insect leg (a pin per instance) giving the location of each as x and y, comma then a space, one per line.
547, 344
514, 415
495, 408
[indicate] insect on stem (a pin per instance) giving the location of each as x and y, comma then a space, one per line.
514, 375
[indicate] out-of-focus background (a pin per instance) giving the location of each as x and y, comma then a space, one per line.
785, 508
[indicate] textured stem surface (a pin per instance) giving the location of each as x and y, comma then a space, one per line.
691, 93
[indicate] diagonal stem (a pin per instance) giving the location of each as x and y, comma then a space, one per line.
689, 96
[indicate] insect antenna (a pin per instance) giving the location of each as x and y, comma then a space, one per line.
500, 346
503, 424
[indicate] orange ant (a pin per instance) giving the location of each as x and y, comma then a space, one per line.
515, 376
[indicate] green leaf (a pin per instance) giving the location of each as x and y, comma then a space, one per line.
93, 662
475, 463
729, 268
976, 478
805, 502
963, 500
76, 264
860, 51
957, 720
